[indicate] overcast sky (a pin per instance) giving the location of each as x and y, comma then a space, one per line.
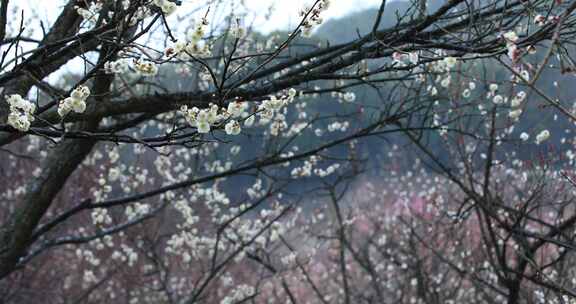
284, 16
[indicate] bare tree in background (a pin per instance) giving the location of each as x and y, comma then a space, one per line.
153, 154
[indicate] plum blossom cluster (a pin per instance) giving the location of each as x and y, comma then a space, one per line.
542, 136
193, 46
88, 256
146, 68
236, 108
338, 126
497, 99
140, 67
232, 127
136, 211
191, 243
76, 102
203, 119
236, 30
306, 169
443, 68
542, 20
270, 107
167, 7
513, 51
328, 171
21, 112
344, 96
403, 59
250, 232
449, 62
239, 294
516, 104
255, 191
272, 111
468, 91
515, 111
413, 58
127, 255
91, 13
141, 13
314, 18
100, 216
119, 66
268, 111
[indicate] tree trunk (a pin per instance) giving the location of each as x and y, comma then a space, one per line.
59, 165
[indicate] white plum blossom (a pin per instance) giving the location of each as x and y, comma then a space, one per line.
235, 150
273, 104
525, 75
119, 66
71, 104
542, 136
524, 136
136, 210
236, 109
414, 57
238, 294
510, 36
271, 107
192, 46
313, 16
81, 92
450, 62
167, 7
521, 95
194, 35
141, 13
146, 68
248, 122
196, 50
203, 119
21, 112
203, 126
513, 51
91, 13
328, 171
236, 30
515, 114
517, 100
100, 216
540, 20
445, 82
177, 48
493, 87
349, 97
403, 59
76, 102
399, 58
212, 114
232, 128
498, 99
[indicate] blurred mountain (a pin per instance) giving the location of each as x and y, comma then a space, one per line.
345, 29
349, 27
537, 115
